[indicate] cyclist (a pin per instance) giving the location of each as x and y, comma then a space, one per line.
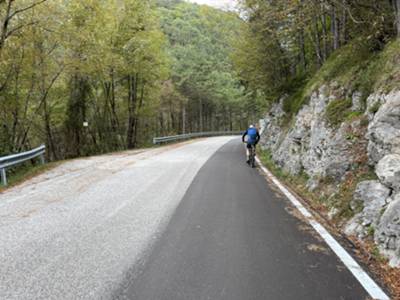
253, 137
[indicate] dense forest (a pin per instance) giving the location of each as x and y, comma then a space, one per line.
67, 63
87, 77
203, 92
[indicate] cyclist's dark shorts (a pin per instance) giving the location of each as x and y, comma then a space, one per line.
249, 145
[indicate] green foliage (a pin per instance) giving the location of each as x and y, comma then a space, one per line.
336, 111
72, 64
200, 45
376, 254
344, 65
374, 108
294, 102
266, 158
382, 70
353, 115
318, 42
371, 230
357, 67
354, 67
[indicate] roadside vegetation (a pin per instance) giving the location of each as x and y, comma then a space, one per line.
26, 172
293, 47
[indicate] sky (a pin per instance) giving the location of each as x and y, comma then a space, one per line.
230, 4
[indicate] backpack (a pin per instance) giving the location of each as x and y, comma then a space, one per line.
252, 135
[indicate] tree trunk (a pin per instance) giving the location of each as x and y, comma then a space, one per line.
111, 98
335, 29
201, 115
132, 99
183, 120
230, 120
302, 46
325, 52
49, 134
137, 111
317, 43
76, 114
398, 17
344, 37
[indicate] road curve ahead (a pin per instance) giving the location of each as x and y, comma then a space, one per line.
234, 237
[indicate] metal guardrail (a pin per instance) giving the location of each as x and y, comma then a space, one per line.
167, 139
12, 160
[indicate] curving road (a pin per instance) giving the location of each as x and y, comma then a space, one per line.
189, 221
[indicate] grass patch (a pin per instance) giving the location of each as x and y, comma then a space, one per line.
354, 115
294, 102
382, 71
337, 111
25, 172
266, 158
374, 108
354, 67
297, 183
343, 65
371, 231
321, 199
342, 199
376, 254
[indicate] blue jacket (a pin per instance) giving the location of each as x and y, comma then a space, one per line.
253, 137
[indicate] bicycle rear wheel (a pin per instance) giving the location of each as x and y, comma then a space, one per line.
253, 157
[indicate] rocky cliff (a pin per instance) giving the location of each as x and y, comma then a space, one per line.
348, 149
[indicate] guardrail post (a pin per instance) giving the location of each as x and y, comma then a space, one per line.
42, 160
3, 176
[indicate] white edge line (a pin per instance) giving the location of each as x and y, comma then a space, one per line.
365, 280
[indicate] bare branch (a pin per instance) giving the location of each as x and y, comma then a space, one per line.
25, 9
14, 30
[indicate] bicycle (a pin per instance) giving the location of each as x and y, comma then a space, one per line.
252, 156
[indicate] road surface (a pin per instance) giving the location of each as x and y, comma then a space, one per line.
183, 222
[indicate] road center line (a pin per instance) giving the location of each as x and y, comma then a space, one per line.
365, 280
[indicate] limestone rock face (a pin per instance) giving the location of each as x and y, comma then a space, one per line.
357, 102
388, 171
370, 197
384, 128
388, 234
310, 145
271, 130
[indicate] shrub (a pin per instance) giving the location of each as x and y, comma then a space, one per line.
374, 108
337, 111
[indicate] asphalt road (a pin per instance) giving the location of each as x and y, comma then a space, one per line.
77, 231
233, 236
189, 221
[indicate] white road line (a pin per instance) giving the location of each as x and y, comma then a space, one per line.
365, 280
